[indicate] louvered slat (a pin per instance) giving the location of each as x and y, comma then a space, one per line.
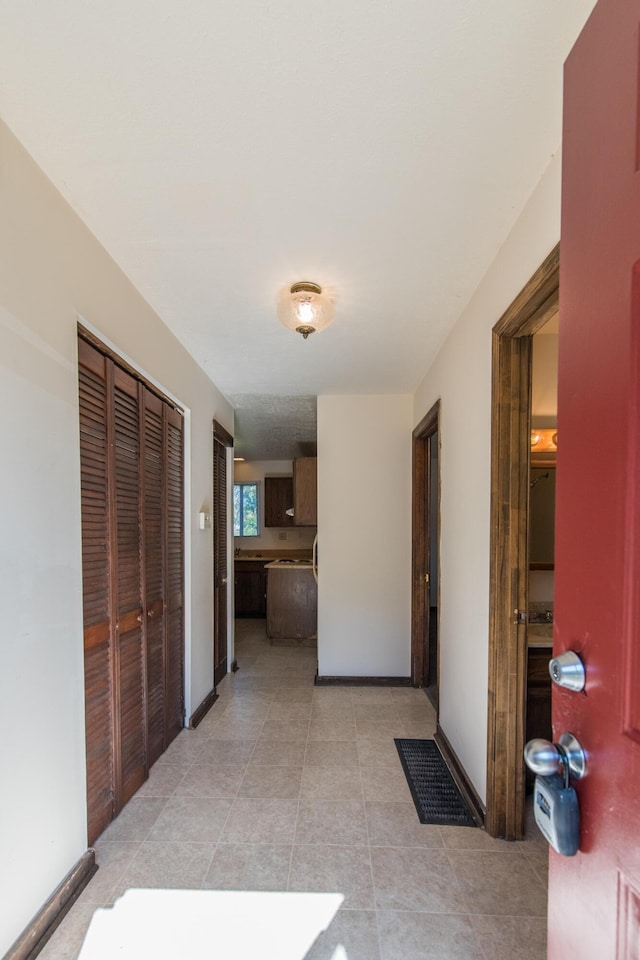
130, 660
174, 512
154, 571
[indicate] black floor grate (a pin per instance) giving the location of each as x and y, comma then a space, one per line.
433, 789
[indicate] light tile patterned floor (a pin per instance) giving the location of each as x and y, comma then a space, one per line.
289, 787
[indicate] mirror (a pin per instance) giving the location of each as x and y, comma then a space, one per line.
542, 513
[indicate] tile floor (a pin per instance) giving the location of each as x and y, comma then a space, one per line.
289, 787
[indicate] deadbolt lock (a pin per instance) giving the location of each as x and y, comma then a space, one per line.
567, 670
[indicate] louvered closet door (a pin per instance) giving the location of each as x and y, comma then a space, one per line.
154, 557
98, 664
174, 513
132, 462
130, 658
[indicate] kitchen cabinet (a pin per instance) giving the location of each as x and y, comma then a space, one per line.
250, 580
305, 491
538, 719
278, 498
292, 603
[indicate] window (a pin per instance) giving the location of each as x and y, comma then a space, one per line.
245, 510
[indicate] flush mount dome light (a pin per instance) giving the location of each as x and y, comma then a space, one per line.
304, 308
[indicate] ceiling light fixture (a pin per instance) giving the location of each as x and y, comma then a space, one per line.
304, 308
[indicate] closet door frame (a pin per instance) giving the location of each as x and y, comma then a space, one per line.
114, 368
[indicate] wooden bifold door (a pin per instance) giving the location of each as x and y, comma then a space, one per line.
132, 481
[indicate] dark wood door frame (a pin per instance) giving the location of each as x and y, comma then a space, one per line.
510, 437
420, 538
222, 440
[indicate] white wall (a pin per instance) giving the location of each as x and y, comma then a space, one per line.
461, 378
51, 271
544, 379
296, 538
541, 587
364, 536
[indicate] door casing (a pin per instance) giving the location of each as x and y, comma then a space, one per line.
510, 430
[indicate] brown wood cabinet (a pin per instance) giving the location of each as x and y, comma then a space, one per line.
292, 603
278, 498
250, 580
305, 491
538, 719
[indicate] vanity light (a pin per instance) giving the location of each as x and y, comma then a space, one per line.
304, 308
544, 439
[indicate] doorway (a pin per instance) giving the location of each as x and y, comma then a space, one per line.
541, 531
534, 306
222, 441
426, 555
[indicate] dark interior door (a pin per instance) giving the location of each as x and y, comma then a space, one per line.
154, 557
174, 573
163, 520
129, 653
132, 494
221, 441
433, 532
425, 558
96, 589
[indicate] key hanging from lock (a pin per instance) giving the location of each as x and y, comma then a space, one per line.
556, 809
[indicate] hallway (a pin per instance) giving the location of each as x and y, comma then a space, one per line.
289, 787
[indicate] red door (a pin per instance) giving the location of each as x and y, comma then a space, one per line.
594, 897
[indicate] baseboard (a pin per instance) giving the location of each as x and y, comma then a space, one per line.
234, 666
219, 673
460, 776
201, 711
362, 681
35, 935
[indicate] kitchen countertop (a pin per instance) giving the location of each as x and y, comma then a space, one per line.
539, 634
289, 565
268, 556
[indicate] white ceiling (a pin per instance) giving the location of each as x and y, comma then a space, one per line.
273, 427
220, 151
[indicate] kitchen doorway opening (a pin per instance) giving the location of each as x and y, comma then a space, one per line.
512, 347
426, 555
